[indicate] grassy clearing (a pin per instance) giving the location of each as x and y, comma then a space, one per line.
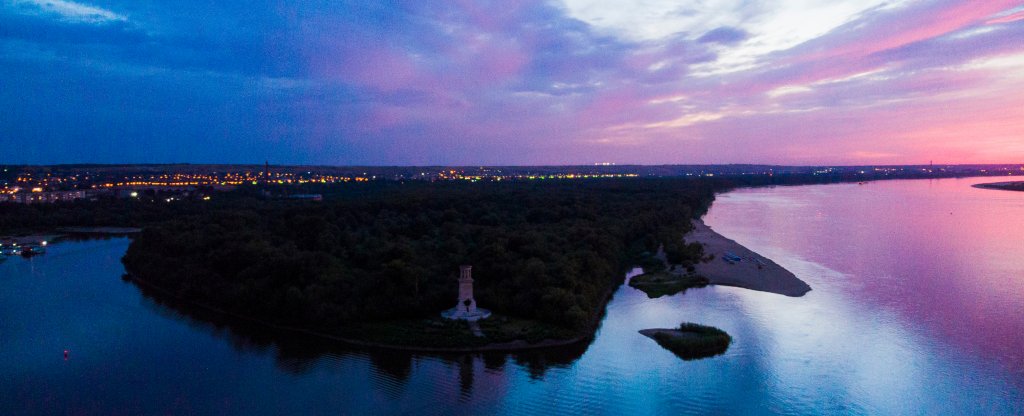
660, 284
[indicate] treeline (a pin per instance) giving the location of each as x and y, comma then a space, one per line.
548, 251
28, 218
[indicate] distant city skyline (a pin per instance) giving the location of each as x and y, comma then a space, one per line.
846, 82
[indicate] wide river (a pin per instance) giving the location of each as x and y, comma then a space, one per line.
917, 307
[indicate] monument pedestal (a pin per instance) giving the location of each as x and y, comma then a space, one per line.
466, 308
461, 313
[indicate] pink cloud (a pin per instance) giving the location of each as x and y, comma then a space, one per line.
1007, 19
912, 25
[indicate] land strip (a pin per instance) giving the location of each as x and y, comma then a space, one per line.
736, 265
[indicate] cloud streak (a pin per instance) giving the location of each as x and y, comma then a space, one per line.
474, 82
67, 10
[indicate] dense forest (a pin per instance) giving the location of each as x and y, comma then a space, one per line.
549, 251
546, 251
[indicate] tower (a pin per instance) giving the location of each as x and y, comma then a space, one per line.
466, 302
466, 309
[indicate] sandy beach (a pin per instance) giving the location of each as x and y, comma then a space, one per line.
752, 271
1002, 186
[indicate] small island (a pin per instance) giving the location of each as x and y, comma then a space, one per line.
691, 341
1003, 186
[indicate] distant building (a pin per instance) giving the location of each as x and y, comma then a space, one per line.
466, 308
44, 197
310, 197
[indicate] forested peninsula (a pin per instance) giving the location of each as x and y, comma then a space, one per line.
544, 255
375, 263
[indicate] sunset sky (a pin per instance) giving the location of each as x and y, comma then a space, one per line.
512, 82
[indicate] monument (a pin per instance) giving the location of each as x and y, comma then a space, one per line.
466, 308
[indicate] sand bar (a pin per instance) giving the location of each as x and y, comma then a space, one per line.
752, 271
1003, 186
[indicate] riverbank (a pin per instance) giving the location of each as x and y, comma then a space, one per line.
751, 270
33, 239
507, 346
1002, 186
52, 235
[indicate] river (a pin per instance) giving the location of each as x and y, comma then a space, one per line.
918, 289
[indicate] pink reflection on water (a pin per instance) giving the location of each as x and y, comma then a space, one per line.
945, 258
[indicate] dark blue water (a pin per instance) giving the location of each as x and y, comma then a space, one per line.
916, 309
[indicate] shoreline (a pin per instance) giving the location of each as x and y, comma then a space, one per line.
771, 278
32, 239
754, 271
58, 233
513, 346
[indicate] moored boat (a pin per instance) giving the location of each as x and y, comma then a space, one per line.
32, 250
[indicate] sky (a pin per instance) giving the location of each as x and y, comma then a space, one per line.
340, 82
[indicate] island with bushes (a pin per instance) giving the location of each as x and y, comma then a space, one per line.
691, 341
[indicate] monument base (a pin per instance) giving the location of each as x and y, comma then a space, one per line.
464, 315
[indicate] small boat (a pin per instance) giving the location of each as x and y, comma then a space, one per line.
29, 251
732, 258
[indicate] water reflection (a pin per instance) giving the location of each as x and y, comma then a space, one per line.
940, 254
298, 354
915, 311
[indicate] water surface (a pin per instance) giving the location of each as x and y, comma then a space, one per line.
918, 288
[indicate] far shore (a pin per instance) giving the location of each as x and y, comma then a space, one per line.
753, 271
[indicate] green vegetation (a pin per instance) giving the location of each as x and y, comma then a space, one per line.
29, 218
665, 283
376, 262
692, 341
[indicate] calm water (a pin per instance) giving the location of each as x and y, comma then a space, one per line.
917, 308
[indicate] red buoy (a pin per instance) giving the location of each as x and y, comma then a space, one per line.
65, 354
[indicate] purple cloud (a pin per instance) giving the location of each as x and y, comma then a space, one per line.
468, 82
724, 35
